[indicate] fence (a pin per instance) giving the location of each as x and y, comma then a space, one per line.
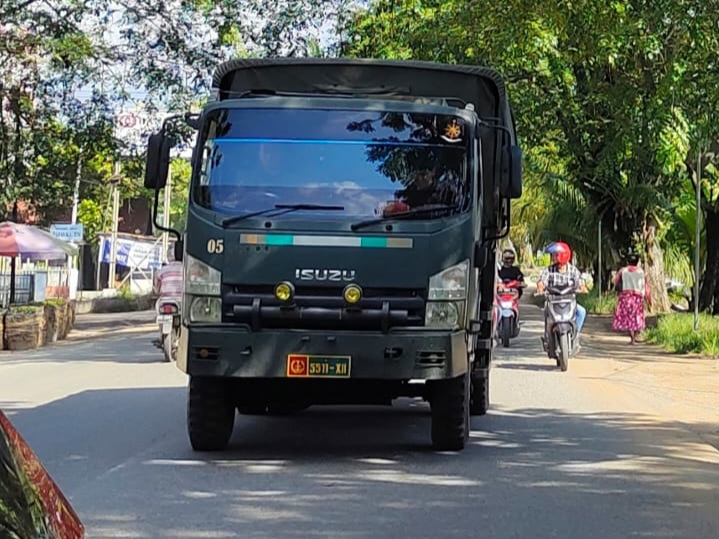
35, 285
24, 288
57, 285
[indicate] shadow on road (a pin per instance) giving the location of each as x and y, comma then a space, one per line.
123, 457
130, 346
528, 366
323, 472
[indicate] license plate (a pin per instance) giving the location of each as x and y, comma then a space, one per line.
164, 318
306, 366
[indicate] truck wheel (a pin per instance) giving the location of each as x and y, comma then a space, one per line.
479, 397
450, 413
210, 414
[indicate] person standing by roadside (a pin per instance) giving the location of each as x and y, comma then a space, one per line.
631, 285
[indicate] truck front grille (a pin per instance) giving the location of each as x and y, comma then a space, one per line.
323, 308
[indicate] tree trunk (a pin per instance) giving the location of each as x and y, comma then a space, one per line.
709, 291
654, 268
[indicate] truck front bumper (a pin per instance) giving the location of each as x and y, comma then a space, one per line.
231, 351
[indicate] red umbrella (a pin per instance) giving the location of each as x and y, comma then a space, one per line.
30, 242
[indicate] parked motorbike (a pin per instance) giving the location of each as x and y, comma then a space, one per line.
168, 318
507, 311
560, 311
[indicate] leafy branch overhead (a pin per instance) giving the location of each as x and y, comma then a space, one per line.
67, 66
610, 100
614, 101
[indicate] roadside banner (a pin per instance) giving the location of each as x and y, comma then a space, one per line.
132, 253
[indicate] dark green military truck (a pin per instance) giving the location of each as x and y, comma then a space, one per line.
340, 244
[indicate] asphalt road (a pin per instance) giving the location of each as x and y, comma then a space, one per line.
559, 456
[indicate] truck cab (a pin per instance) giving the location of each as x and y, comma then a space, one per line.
340, 244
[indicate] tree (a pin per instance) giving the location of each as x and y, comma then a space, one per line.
590, 80
44, 130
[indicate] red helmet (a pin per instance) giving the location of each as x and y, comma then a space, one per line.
560, 251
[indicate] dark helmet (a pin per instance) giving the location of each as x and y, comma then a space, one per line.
508, 256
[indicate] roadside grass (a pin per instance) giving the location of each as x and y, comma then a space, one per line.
675, 332
598, 304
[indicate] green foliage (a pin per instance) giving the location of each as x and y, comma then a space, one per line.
675, 332
92, 215
596, 304
181, 171
599, 95
45, 56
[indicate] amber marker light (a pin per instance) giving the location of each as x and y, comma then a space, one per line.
352, 294
284, 292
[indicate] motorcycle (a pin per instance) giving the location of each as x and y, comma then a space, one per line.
168, 318
560, 311
507, 311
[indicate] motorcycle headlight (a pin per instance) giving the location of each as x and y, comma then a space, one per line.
451, 283
201, 279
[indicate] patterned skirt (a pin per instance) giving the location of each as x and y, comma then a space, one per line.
629, 315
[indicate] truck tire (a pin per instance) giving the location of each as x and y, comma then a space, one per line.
450, 413
210, 413
479, 397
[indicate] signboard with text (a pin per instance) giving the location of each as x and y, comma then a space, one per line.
132, 253
67, 232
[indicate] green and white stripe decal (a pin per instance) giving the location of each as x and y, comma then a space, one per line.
326, 241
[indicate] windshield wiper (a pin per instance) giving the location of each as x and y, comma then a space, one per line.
287, 209
419, 210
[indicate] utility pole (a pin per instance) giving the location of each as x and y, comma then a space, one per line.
76, 191
697, 241
599, 262
115, 220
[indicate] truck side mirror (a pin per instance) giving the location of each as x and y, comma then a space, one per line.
511, 186
481, 255
157, 164
179, 249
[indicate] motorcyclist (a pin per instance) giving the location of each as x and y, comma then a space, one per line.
168, 281
509, 272
561, 272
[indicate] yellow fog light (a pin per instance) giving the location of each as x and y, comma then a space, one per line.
284, 291
352, 293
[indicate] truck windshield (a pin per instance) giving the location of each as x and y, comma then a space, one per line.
368, 162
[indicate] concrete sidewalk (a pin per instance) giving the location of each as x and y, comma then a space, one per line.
99, 325
645, 378
681, 387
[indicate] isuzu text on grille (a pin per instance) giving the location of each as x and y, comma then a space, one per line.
324, 275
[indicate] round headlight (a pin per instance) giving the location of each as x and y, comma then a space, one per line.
284, 291
442, 314
352, 294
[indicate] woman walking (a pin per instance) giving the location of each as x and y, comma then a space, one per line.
631, 284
